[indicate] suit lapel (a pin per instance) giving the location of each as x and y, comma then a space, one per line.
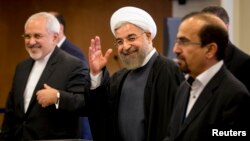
179, 111
65, 45
24, 76
206, 95
47, 72
202, 101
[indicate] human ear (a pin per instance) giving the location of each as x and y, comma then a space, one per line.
212, 49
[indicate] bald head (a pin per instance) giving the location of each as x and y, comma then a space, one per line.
210, 29
206, 18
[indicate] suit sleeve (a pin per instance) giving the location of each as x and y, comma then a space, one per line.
72, 98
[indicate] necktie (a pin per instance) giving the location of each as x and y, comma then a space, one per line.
190, 80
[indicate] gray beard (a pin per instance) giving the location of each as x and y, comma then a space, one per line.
135, 61
131, 64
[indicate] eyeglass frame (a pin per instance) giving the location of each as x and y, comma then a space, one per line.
185, 42
37, 36
129, 39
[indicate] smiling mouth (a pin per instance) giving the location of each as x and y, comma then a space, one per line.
34, 46
129, 53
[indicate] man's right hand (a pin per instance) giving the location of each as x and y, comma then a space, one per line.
96, 59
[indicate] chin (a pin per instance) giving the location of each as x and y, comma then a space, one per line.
35, 56
131, 65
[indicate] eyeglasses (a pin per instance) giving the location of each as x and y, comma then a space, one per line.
129, 39
29, 36
186, 42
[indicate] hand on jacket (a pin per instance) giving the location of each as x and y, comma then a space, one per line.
47, 96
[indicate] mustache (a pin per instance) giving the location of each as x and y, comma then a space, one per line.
34, 46
179, 56
129, 51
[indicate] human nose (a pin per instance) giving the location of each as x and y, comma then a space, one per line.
30, 41
176, 48
126, 44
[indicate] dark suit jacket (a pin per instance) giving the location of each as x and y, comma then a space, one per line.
63, 72
159, 93
238, 63
75, 51
223, 104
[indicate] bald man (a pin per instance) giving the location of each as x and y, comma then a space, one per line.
214, 103
135, 104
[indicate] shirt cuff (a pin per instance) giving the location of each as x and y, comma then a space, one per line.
95, 80
58, 100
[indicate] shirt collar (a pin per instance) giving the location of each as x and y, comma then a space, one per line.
151, 53
207, 75
59, 44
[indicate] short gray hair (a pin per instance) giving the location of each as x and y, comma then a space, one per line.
53, 25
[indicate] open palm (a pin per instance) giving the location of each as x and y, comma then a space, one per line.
96, 59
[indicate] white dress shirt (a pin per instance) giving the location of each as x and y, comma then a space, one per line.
59, 44
34, 77
199, 84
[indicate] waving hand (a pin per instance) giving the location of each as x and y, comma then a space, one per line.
96, 58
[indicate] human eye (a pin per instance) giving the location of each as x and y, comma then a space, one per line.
118, 42
182, 41
26, 36
131, 38
38, 36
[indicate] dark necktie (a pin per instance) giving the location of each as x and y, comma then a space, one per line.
190, 80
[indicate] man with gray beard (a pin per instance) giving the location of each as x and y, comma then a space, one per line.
134, 104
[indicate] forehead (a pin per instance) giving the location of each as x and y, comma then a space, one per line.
127, 29
190, 28
37, 24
